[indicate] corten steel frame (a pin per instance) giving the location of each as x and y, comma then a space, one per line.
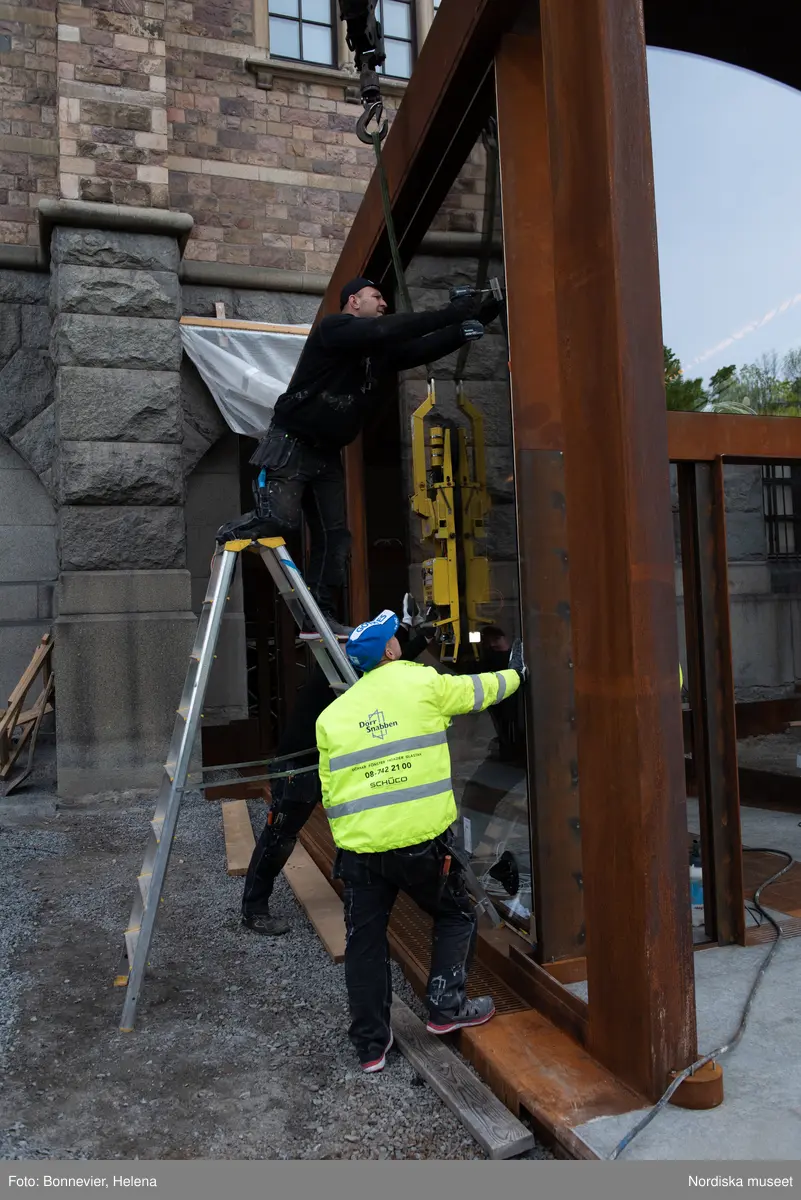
592, 443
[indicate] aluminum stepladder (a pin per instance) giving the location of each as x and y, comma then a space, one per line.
337, 670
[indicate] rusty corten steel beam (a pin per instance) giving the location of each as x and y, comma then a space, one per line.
633, 806
703, 437
540, 487
711, 686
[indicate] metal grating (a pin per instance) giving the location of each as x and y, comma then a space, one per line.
410, 928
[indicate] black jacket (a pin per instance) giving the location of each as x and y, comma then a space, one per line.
348, 362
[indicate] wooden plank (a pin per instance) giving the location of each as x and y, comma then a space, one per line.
239, 839
540, 485
631, 767
247, 326
318, 900
17, 697
495, 1129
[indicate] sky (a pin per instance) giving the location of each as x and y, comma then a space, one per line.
728, 198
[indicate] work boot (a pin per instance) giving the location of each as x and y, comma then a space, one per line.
310, 634
378, 1064
264, 924
474, 1012
249, 525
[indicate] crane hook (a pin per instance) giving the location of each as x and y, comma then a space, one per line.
373, 112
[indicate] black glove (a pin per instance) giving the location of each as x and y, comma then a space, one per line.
517, 660
490, 310
472, 331
465, 308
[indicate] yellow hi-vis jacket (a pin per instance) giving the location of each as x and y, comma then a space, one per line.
385, 767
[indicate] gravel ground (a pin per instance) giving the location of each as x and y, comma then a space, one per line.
240, 1049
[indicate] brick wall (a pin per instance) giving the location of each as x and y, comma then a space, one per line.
141, 102
28, 145
273, 178
112, 101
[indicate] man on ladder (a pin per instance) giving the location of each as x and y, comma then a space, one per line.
347, 367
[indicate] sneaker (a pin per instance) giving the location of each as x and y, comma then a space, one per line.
341, 632
378, 1064
264, 924
474, 1012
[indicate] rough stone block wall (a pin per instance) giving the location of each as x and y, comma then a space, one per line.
112, 102
28, 133
120, 475
26, 371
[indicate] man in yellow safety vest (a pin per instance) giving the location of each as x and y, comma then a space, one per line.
385, 774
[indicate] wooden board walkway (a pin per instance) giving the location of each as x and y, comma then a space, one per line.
495, 1129
318, 900
239, 839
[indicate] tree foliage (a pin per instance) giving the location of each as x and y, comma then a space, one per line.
768, 387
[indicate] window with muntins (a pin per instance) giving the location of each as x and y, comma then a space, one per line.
303, 30
781, 485
397, 22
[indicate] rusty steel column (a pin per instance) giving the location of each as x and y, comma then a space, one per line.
702, 510
609, 331
540, 488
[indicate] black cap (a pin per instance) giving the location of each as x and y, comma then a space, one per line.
350, 289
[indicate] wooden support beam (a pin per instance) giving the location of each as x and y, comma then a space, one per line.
710, 682
540, 487
634, 832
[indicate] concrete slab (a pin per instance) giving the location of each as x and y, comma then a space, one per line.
27, 554
760, 1117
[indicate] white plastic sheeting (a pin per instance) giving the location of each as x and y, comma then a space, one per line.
246, 370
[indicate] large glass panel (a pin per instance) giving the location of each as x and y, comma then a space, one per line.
467, 473
729, 251
765, 604
284, 8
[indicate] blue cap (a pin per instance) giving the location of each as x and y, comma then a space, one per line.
366, 645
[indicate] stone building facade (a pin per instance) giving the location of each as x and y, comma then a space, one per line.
157, 159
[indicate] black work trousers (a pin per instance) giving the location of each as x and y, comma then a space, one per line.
293, 801
372, 883
300, 479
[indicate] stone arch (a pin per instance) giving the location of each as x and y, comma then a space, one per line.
28, 564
